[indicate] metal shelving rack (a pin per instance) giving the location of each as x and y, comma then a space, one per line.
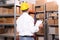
13, 35
53, 25
46, 33
5, 35
8, 15
2, 16
39, 12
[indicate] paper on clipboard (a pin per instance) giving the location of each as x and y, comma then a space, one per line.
38, 22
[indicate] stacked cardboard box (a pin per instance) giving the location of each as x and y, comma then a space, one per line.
40, 16
1, 10
11, 10
50, 22
56, 21
40, 38
2, 30
1, 20
18, 11
57, 30
51, 6
40, 2
53, 14
52, 30
9, 38
9, 20
10, 30
5, 10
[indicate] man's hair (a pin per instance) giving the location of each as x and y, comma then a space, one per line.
25, 10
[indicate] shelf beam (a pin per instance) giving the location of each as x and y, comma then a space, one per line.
37, 6
51, 11
5, 5
53, 25
39, 35
8, 16
39, 12
8, 5
6, 24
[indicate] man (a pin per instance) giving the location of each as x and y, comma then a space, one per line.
25, 24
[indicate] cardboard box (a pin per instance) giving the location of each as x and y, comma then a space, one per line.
2, 30
10, 30
9, 20
57, 30
40, 2
52, 30
1, 10
56, 21
18, 10
1, 20
53, 14
51, 6
40, 38
11, 10
41, 16
9, 38
5, 10
40, 9
50, 22
37, 9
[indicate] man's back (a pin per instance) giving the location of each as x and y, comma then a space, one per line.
24, 26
